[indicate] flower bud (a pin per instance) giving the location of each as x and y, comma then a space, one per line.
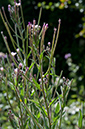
18, 50
13, 53
59, 21
9, 7
20, 65
16, 70
2, 8
1, 32
1, 68
49, 43
39, 79
34, 22
5, 37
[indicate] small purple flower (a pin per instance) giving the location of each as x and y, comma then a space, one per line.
9, 7
27, 68
5, 37
49, 43
34, 75
20, 65
1, 68
16, 70
34, 22
1, 32
39, 79
18, 4
29, 24
2, 8
59, 21
17, 49
13, 53
67, 55
64, 78
44, 25
55, 30
12, 64
2, 55
47, 25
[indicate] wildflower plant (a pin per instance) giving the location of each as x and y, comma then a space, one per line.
38, 103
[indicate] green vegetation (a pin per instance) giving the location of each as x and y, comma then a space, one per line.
15, 98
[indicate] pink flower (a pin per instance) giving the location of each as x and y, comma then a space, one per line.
13, 53
67, 55
17, 49
59, 20
16, 70
9, 7
39, 79
1, 68
18, 4
49, 43
20, 65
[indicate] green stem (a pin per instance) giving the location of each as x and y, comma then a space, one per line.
21, 117
7, 94
39, 15
53, 50
8, 22
19, 53
9, 51
22, 17
27, 48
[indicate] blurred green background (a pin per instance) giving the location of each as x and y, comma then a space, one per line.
71, 38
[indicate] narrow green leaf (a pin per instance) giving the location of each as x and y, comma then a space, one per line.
38, 115
25, 100
32, 93
22, 92
29, 54
41, 55
44, 110
52, 102
11, 85
36, 102
31, 65
36, 84
57, 108
80, 119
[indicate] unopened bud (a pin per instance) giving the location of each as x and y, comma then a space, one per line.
1, 68
5, 37
2, 8
49, 43
10, 111
55, 29
39, 79
13, 53
27, 68
47, 25
20, 65
9, 6
1, 32
17, 49
15, 71
19, 1
63, 78
34, 22
59, 21
34, 75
